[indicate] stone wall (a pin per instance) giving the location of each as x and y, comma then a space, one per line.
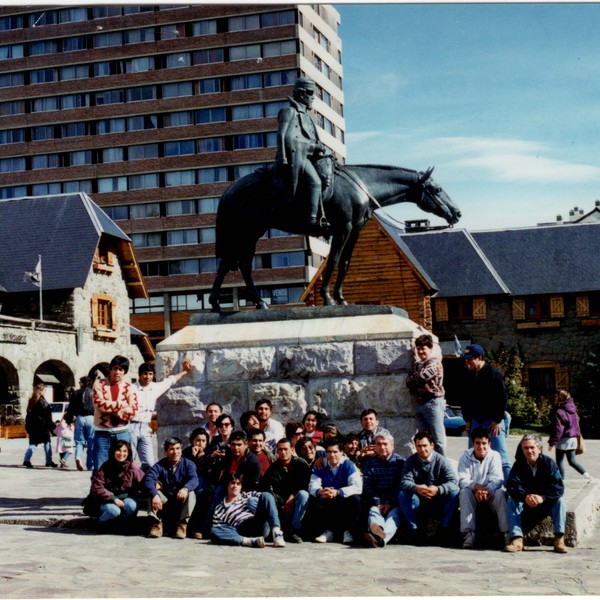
336, 360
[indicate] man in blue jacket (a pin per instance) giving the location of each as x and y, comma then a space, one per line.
170, 483
535, 489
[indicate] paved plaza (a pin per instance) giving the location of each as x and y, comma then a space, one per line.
48, 552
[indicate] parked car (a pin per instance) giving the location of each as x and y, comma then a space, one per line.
454, 423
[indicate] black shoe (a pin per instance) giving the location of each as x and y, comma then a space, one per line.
317, 228
294, 537
27, 464
52, 464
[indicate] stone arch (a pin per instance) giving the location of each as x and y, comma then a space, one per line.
9, 388
60, 372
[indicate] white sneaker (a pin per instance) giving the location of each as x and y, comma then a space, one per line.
278, 541
348, 538
325, 537
586, 475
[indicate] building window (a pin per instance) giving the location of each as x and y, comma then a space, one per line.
208, 235
207, 27
46, 161
182, 236
110, 126
137, 36
12, 136
209, 86
244, 52
460, 308
16, 191
216, 144
12, 51
276, 19
44, 104
286, 295
210, 115
146, 240
73, 72
542, 381
180, 59
110, 97
11, 79
16, 107
140, 64
153, 269
178, 119
12, 22
144, 211
243, 22
74, 101
143, 182
112, 184
181, 302
154, 304
246, 111
208, 265
205, 57
45, 189
104, 259
279, 48
175, 90
112, 155
141, 122
42, 76
212, 175
42, 132
594, 304
43, 47
287, 259
75, 129
172, 32
142, 151
176, 178
144, 92
117, 213
179, 148
208, 205
71, 44
111, 38
246, 82
537, 307
280, 78
103, 11
180, 207
80, 157
8, 165
183, 267
248, 140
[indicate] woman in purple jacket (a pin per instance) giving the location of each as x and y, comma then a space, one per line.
564, 432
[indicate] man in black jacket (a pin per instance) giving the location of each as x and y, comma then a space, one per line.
484, 403
535, 489
287, 479
81, 411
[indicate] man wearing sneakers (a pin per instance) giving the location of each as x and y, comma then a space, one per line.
335, 491
381, 486
245, 518
81, 411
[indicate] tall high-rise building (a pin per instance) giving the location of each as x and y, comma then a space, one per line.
154, 111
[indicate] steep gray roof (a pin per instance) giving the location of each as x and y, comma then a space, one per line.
543, 260
64, 229
455, 263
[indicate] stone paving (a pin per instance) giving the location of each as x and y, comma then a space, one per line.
67, 560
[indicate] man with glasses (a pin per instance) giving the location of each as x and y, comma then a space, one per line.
299, 147
484, 403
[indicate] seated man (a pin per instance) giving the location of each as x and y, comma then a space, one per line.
245, 518
480, 480
287, 479
174, 502
335, 491
428, 480
370, 428
381, 486
535, 489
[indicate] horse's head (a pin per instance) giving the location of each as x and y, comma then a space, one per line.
433, 199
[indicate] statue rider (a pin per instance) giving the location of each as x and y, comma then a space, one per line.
298, 145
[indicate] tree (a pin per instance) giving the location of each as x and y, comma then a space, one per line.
586, 391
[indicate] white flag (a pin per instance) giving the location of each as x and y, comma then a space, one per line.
35, 277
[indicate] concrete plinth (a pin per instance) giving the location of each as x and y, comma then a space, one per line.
336, 360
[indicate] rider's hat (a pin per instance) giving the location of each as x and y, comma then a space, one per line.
305, 83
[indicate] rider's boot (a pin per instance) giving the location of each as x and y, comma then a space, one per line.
315, 225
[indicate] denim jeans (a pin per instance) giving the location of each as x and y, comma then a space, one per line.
110, 511
265, 519
141, 443
443, 504
430, 417
300, 506
390, 522
84, 436
102, 442
517, 511
497, 442
32, 447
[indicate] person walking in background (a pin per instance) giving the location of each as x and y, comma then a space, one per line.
426, 382
564, 431
81, 411
39, 426
65, 441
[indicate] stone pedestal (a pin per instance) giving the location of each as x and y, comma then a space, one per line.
336, 360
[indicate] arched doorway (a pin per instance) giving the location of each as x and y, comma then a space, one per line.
58, 378
9, 390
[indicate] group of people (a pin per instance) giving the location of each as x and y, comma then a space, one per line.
304, 481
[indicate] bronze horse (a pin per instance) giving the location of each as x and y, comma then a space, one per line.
256, 202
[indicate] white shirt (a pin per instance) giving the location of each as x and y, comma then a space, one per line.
147, 396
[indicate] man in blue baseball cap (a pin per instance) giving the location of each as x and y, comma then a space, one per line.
485, 399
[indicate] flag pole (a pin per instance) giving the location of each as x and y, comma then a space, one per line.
41, 309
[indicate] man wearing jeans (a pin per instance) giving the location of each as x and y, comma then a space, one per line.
485, 401
426, 382
535, 489
115, 404
428, 480
287, 479
148, 392
381, 487
81, 410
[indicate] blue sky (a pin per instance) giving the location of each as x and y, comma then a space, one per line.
504, 100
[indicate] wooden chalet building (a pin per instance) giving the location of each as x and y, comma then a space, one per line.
537, 288
89, 273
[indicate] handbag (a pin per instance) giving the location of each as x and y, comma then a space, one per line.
580, 445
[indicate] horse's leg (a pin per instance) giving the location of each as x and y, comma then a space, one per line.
225, 265
344, 264
337, 246
246, 270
